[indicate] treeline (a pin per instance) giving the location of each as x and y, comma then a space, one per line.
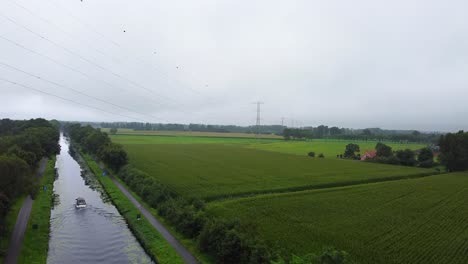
22, 145
452, 149
227, 241
368, 134
99, 144
384, 154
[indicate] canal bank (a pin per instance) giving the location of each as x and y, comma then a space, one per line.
36, 238
95, 234
155, 245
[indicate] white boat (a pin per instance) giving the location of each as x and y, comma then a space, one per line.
80, 202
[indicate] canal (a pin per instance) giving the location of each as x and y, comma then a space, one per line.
95, 234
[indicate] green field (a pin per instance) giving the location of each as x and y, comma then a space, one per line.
330, 148
215, 171
420, 220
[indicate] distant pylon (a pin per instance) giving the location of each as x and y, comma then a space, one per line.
258, 118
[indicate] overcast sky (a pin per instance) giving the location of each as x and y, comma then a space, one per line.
391, 64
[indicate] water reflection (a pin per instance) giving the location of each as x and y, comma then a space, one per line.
95, 234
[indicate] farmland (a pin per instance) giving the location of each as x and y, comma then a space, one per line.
407, 221
378, 213
213, 170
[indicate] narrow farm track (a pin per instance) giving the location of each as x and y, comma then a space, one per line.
17, 235
181, 250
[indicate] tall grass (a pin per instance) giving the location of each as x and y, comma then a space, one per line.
36, 241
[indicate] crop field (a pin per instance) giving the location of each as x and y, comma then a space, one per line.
145, 139
307, 203
421, 220
126, 131
214, 171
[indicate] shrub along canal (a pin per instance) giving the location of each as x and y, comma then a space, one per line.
95, 234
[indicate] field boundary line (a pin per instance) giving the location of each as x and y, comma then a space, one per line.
219, 198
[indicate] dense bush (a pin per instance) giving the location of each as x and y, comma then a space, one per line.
232, 242
311, 154
383, 150
390, 160
350, 151
327, 256
406, 157
113, 155
454, 151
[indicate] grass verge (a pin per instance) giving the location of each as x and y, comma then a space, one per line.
36, 241
153, 243
190, 244
10, 221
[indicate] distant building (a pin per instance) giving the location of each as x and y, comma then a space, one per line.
369, 155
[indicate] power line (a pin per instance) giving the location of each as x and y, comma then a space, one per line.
88, 27
140, 59
75, 90
83, 58
66, 66
69, 100
53, 24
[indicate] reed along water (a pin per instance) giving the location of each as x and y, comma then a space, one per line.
95, 234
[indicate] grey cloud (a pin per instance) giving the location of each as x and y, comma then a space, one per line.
392, 64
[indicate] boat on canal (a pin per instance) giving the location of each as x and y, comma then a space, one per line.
80, 202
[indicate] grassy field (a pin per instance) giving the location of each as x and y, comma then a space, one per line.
10, 221
36, 242
407, 221
126, 131
214, 171
330, 148
154, 244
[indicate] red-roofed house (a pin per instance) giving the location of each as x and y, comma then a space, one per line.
369, 155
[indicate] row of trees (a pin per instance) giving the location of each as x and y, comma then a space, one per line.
385, 154
22, 145
99, 144
359, 134
423, 158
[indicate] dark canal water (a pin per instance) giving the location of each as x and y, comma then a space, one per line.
95, 234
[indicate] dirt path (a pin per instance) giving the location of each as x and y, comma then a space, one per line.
181, 250
22, 222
